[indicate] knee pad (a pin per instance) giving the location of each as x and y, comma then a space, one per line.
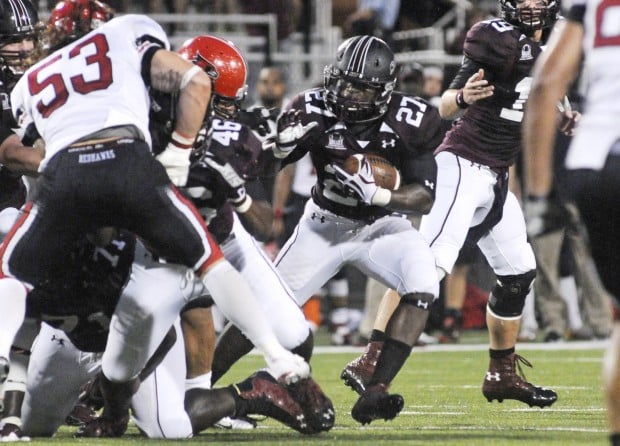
507, 298
423, 301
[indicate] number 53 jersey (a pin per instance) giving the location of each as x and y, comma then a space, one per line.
91, 84
406, 135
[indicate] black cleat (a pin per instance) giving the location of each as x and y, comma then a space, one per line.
502, 382
263, 395
80, 415
317, 407
376, 403
357, 373
104, 427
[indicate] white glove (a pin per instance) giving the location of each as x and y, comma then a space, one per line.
290, 132
362, 183
176, 162
288, 369
535, 212
283, 365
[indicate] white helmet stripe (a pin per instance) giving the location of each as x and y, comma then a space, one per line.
20, 12
359, 55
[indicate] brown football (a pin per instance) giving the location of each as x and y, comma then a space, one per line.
385, 173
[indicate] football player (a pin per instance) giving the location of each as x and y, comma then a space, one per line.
473, 203
107, 157
349, 219
224, 184
593, 160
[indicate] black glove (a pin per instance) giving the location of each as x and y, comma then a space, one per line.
543, 215
257, 119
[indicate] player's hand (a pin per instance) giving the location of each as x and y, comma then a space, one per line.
542, 216
568, 122
290, 132
257, 119
288, 368
360, 184
176, 161
477, 88
230, 178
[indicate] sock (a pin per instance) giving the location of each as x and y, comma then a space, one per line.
377, 335
201, 381
392, 358
499, 354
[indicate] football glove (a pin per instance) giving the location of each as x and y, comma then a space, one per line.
290, 132
235, 183
176, 162
361, 184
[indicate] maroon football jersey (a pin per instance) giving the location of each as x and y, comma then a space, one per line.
406, 135
489, 132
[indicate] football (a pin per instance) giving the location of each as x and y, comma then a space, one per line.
385, 173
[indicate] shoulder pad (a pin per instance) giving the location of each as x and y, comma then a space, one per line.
491, 42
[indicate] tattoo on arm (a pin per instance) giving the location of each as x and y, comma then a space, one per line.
168, 82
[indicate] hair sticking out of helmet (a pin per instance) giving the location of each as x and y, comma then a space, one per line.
359, 84
540, 15
71, 19
19, 27
226, 67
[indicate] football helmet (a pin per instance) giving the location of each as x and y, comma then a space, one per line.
359, 84
226, 67
528, 19
71, 19
18, 22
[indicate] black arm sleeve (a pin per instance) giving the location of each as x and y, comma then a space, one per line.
468, 68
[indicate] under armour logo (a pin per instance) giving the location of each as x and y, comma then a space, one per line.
422, 304
60, 341
493, 376
391, 143
315, 216
429, 184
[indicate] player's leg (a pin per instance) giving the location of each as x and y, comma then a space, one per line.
56, 373
413, 276
512, 260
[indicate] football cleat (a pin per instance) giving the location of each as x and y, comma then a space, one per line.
357, 373
317, 407
505, 380
80, 415
11, 432
376, 403
103, 427
263, 395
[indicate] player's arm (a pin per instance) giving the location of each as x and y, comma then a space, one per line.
417, 196
258, 218
553, 73
281, 192
170, 73
455, 100
20, 158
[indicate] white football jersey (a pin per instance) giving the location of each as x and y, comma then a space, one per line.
91, 84
598, 128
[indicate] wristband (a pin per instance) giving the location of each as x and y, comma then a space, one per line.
181, 141
244, 206
460, 100
278, 213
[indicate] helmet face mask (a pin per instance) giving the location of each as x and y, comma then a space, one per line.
18, 38
226, 67
542, 14
359, 84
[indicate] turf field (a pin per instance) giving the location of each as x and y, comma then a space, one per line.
443, 402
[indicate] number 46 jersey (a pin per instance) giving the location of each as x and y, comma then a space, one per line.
406, 135
91, 84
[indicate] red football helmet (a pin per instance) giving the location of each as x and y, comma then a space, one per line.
71, 19
226, 67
